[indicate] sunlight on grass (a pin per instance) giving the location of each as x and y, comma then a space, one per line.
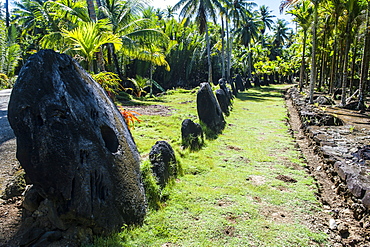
230, 193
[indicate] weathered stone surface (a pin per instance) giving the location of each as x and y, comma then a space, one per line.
209, 110
75, 147
366, 199
15, 186
223, 101
239, 83
355, 106
32, 199
322, 100
191, 134
341, 146
227, 91
163, 160
320, 119
358, 185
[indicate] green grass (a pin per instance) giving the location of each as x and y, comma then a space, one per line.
229, 194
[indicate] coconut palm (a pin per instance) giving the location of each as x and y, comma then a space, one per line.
156, 57
303, 16
354, 9
133, 31
202, 10
266, 18
336, 10
365, 59
287, 3
91, 9
247, 33
168, 12
7, 15
280, 32
238, 10
87, 39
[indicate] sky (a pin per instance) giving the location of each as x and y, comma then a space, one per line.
272, 4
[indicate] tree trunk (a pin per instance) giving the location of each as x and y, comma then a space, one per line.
354, 57
228, 48
223, 47
345, 64
365, 59
209, 56
249, 62
7, 15
313, 65
91, 10
334, 60
113, 54
303, 62
333, 66
151, 80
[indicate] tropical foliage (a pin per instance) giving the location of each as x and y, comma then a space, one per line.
130, 38
196, 41
339, 55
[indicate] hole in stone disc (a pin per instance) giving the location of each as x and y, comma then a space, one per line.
110, 138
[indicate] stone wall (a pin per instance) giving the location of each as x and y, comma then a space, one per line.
343, 147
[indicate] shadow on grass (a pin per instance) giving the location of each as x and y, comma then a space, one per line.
260, 94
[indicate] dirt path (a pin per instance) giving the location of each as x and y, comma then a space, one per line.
10, 212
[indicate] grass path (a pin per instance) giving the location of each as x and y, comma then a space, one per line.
248, 187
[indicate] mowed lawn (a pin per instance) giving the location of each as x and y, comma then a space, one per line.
247, 187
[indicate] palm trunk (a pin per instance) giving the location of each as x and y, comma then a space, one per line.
345, 65
228, 48
151, 80
354, 57
249, 62
365, 60
111, 51
7, 15
313, 65
303, 62
334, 60
91, 9
223, 47
333, 66
209, 56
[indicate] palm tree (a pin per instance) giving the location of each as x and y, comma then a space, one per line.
337, 8
237, 11
87, 39
287, 3
247, 33
280, 32
155, 56
303, 15
202, 10
353, 9
365, 59
168, 12
133, 31
91, 9
266, 18
7, 15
